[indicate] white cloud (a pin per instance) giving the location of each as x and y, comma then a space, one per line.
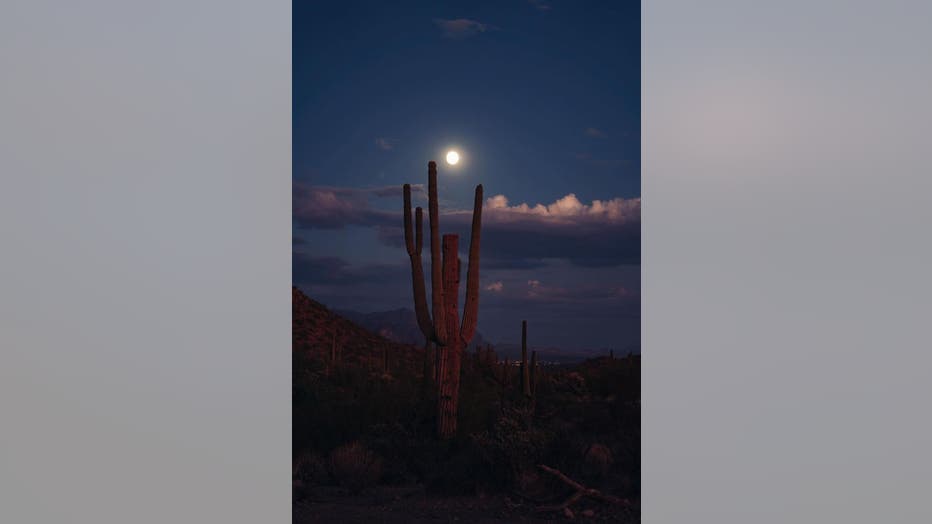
385, 144
497, 287
568, 210
462, 27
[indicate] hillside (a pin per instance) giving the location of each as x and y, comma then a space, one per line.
315, 330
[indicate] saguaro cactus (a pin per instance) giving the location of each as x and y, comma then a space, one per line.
444, 329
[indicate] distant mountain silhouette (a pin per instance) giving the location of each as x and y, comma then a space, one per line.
314, 328
557, 355
397, 325
314, 325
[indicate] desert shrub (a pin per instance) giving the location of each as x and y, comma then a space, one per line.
619, 378
510, 448
599, 460
400, 448
355, 467
309, 469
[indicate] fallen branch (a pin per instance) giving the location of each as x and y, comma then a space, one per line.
580, 492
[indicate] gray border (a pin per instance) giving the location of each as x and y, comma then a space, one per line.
785, 261
144, 222
145, 181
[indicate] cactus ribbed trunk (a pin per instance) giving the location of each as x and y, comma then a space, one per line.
427, 371
450, 354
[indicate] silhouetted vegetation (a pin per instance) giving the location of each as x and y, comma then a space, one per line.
360, 429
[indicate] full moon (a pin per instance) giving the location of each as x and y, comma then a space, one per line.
453, 158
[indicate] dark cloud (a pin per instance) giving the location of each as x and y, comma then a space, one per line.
335, 271
600, 233
520, 293
462, 27
323, 207
506, 264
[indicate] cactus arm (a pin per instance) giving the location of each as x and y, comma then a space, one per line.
436, 264
450, 355
409, 237
417, 270
471, 307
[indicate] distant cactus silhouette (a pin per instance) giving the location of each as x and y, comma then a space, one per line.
525, 371
444, 328
533, 388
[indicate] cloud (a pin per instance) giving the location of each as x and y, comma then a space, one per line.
489, 262
568, 210
462, 27
385, 144
496, 287
307, 269
537, 291
598, 233
540, 5
595, 133
323, 207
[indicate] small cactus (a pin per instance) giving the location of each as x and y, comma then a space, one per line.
533, 374
525, 371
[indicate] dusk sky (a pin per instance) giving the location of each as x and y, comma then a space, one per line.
541, 100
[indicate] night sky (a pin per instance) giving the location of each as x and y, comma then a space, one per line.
541, 100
